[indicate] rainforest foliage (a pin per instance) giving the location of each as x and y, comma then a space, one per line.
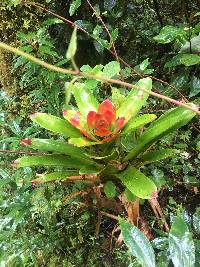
100, 133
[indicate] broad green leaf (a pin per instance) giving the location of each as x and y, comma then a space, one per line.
138, 244
55, 176
157, 155
169, 34
137, 183
110, 189
74, 6
138, 122
71, 51
55, 124
48, 160
81, 142
181, 245
111, 69
135, 100
190, 59
191, 47
195, 86
167, 123
130, 196
175, 61
56, 146
84, 99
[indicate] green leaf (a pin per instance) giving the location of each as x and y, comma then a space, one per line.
195, 86
138, 122
130, 196
169, 34
55, 176
181, 245
191, 47
48, 160
56, 146
71, 51
196, 220
110, 189
111, 69
84, 99
81, 142
190, 59
89, 169
135, 100
157, 155
138, 244
137, 183
167, 123
55, 124
74, 6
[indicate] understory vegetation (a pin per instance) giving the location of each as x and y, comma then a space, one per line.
100, 133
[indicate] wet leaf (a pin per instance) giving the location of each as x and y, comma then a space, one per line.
190, 59
110, 189
167, 123
169, 34
111, 69
195, 86
137, 183
138, 244
55, 176
181, 245
157, 155
48, 160
55, 124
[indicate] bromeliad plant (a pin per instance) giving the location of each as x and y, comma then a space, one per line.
105, 143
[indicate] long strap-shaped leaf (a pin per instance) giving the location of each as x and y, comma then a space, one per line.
169, 122
135, 100
138, 183
181, 245
49, 160
55, 124
55, 176
157, 155
138, 244
57, 146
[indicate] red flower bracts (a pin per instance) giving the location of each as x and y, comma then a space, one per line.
101, 125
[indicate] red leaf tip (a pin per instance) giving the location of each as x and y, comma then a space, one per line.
64, 113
